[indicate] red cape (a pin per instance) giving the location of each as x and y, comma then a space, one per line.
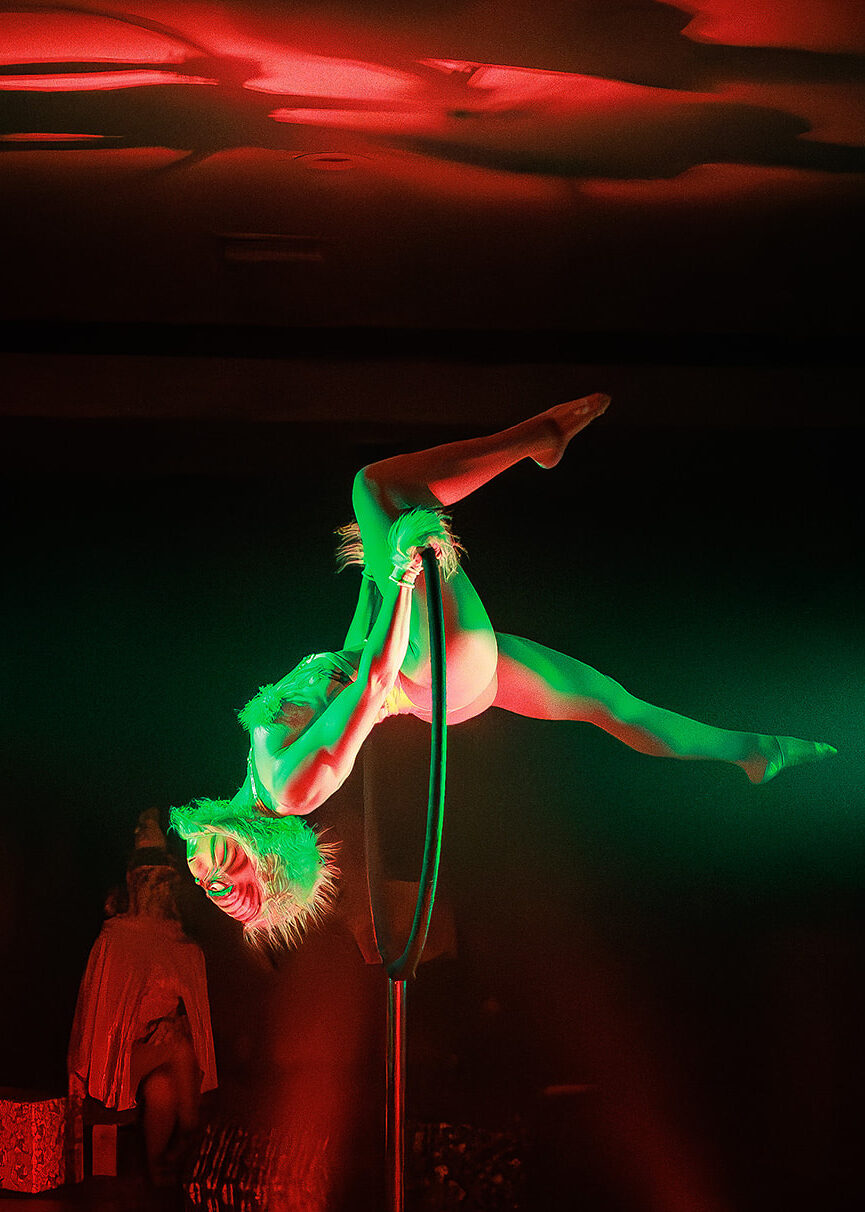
137, 968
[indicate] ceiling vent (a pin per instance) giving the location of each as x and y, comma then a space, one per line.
256, 246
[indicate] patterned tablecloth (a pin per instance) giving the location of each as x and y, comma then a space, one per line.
33, 1140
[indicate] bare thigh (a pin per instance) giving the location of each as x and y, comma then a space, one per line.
422, 704
539, 682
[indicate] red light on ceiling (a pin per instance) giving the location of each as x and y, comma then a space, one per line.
306, 75
372, 121
41, 136
85, 82
58, 36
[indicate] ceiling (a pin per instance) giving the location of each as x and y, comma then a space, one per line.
611, 179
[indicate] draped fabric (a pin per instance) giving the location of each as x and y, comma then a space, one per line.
141, 975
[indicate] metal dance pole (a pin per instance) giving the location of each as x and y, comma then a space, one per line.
394, 1124
401, 970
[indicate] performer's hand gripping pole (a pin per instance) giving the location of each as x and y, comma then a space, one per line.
403, 969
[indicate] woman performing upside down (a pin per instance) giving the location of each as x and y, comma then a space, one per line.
254, 855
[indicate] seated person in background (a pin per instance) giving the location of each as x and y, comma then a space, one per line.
142, 1033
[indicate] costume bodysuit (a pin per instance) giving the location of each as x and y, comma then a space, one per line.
301, 697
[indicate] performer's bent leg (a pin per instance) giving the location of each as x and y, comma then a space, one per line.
537, 681
436, 478
443, 475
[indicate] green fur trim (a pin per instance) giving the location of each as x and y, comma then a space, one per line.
412, 528
350, 549
285, 700
263, 709
415, 529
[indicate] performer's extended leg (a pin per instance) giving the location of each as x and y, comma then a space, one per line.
539, 682
439, 477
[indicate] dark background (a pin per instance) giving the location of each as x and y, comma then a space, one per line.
179, 435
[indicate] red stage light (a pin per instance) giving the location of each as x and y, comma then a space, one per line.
41, 136
85, 82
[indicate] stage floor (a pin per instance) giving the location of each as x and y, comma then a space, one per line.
123, 1194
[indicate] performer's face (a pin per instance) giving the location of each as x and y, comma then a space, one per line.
226, 873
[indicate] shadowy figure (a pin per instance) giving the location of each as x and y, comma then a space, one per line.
142, 1034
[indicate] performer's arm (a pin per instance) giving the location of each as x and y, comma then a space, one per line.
301, 776
364, 615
